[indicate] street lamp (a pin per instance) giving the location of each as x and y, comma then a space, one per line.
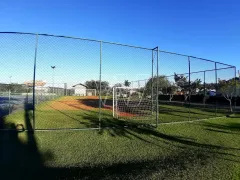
53, 67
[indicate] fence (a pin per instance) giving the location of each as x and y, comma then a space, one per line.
58, 82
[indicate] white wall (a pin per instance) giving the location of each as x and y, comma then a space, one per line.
80, 90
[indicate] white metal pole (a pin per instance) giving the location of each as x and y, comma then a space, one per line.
9, 95
53, 82
53, 68
100, 88
113, 101
9, 99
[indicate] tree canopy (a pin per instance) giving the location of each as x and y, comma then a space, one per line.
96, 84
17, 88
127, 83
186, 86
117, 85
162, 82
228, 88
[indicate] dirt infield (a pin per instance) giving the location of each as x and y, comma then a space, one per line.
72, 103
89, 103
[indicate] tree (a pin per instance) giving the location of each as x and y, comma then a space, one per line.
127, 83
188, 88
117, 85
161, 81
14, 88
96, 85
171, 90
227, 88
205, 89
195, 85
183, 83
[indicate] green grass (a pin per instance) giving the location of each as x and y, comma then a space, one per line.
200, 150
170, 113
49, 117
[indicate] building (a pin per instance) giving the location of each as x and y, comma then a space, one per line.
80, 89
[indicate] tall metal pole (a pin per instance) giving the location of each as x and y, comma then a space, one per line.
189, 88
235, 89
157, 91
53, 68
113, 89
204, 85
152, 80
34, 80
100, 86
53, 81
216, 88
9, 95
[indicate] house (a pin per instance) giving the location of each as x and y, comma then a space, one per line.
80, 89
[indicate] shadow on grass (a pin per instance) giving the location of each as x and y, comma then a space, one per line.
164, 167
19, 158
136, 130
90, 102
22, 160
224, 128
179, 111
184, 112
236, 115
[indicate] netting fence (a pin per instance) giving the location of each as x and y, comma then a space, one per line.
57, 82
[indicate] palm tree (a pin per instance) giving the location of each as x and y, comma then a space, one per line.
127, 83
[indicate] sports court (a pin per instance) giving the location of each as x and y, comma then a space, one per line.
77, 83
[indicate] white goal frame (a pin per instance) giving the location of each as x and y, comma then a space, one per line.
135, 105
115, 98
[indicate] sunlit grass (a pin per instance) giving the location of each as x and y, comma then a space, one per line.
200, 150
69, 112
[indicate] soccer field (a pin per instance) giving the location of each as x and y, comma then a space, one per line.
159, 114
83, 112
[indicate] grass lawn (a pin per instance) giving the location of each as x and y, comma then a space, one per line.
77, 112
171, 113
201, 150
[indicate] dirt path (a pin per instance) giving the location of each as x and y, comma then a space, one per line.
80, 103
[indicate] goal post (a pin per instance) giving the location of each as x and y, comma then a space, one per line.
133, 104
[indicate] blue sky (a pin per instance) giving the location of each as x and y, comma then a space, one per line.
208, 29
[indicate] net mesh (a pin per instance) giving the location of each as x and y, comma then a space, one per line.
133, 104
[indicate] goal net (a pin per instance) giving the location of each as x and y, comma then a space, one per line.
133, 104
